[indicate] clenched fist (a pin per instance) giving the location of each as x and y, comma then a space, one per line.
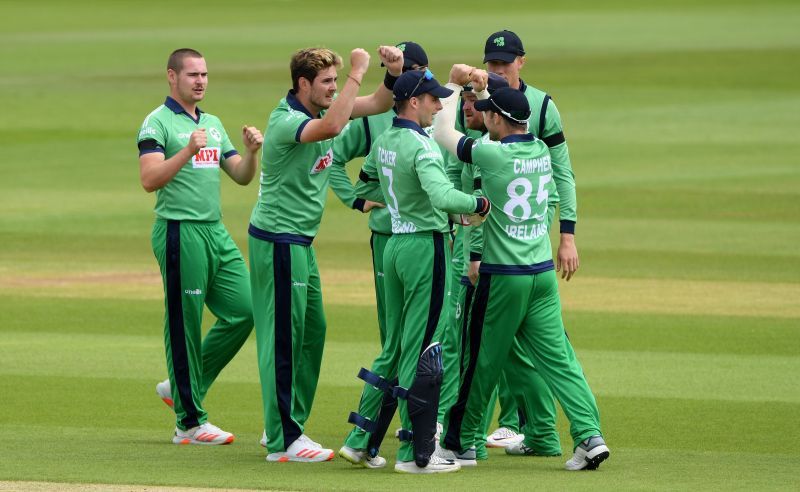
460, 73
197, 140
252, 138
359, 61
392, 58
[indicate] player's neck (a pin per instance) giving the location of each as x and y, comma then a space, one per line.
305, 100
507, 132
411, 116
190, 107
515, 83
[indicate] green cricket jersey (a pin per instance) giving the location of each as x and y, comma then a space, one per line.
294, 177
545, 124
193, 193
355, 141
409, 166
517, 178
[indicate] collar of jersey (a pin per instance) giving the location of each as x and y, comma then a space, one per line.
294, 103
518, 137
404, 123
176, 108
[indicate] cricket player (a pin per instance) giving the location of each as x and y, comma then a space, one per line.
516, 298
287, 298
406, 169
181, 151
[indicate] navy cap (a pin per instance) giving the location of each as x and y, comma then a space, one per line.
510, 103
503, 46
495, 82
416, 82
413, 54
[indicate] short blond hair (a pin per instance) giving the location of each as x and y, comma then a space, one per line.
309, 62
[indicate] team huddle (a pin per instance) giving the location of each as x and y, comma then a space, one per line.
461, 181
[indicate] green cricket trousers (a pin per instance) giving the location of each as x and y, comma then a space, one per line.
200, 264
525, 308
290, 330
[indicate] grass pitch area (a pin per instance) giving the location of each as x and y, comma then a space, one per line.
682, 122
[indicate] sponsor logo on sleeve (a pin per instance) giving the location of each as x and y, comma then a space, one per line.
323, 162
206, 157
147, 131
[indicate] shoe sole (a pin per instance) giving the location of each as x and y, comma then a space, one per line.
593, 462
283, 458
425, 471
502, 444
187, 440
466, 462
168, 402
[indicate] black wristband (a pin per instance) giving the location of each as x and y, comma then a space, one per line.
358, 204
389, 80
475, 256
567, 227
482, 206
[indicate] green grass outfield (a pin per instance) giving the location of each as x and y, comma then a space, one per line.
682, 120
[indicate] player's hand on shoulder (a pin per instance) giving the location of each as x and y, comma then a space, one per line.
392, 58
252, 138
460, 73
359, 61
197, 140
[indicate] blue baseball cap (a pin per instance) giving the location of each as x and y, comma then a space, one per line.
416, 82
504, 46
510, 103
413, 54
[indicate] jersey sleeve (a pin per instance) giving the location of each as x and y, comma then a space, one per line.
287, 127
228, 150
152, 136
349, 144
564, 177
429, 166
475, 233
368, 185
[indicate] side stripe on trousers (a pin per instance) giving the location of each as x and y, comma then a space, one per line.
437, 289
282, 267
177, 332
452, 440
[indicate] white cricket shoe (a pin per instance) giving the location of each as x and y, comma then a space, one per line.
503, 437
164, 391
589, 454
263, 440
361, 458
304, 450
207, 434
435, 465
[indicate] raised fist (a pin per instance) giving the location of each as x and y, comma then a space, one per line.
252, 138
359, 61
479, 79
460, 73
392, 58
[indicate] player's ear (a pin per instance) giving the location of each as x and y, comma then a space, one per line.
303, 83
172, 76
521, 62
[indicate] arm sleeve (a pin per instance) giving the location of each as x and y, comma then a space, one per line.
440, 190
228, 150
351, 143
368, 185
444, 131
475, 233
553, 136
453, 167
152, 136
287, 127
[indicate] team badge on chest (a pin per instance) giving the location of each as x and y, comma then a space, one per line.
323, 162
206, 157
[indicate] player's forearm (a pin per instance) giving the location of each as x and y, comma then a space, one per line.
378, 102
242, 170
444, 131
565, 183
155, 174
341, 185
339, 113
